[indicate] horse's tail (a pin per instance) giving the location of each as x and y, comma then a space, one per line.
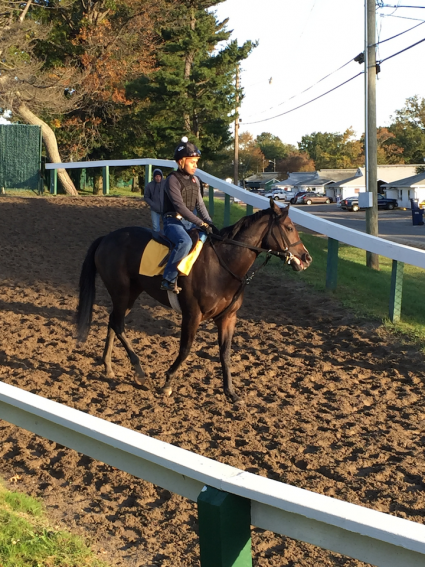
87, 292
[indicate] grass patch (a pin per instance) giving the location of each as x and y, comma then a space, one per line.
26, 540
366, 291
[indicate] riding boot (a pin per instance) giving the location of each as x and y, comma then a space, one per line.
170, 286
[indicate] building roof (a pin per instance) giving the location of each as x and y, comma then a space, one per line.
412, 181
339, 174
262, 177
350, 182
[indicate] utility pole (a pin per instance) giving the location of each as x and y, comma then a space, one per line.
371, 162
236, 157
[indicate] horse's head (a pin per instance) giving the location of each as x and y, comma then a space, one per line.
282, 236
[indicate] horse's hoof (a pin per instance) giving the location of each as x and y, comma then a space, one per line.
167, 391
140, 380
109, 374
233, 397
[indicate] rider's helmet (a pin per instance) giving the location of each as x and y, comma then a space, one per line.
186, 149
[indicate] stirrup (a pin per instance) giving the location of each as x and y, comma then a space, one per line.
170, 286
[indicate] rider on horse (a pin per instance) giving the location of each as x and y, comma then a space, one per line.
182, 196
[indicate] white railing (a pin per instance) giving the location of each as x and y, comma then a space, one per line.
380, 246
355, 531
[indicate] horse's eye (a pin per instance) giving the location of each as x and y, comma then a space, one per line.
289, 228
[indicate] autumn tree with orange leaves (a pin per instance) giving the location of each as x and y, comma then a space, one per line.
64, 66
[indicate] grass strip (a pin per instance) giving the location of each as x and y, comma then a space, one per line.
26, 540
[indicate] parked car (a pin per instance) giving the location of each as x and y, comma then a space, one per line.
277, 195
310, 197
352, 203
295, 195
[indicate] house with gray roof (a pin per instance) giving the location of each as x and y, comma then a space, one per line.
403, 190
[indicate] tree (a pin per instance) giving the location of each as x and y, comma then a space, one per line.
69, 73
273, 148
193, 91
333, 150
408, 129
295, 161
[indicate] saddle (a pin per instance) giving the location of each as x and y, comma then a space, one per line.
157, 252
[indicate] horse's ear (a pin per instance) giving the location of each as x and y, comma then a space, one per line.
275, 207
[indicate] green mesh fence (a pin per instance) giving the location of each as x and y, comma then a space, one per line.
20, 150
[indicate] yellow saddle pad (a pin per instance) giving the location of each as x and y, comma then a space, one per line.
155, 253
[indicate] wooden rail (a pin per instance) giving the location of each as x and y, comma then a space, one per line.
220, 490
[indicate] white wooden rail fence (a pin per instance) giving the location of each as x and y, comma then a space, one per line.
354, 531
374, 244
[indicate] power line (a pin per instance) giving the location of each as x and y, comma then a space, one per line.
308, 102
401, 33
304, 91
401, 17
337, 87
398, 6
405, 49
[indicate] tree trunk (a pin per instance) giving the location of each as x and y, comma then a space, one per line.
97, 184
135, 185
51, 144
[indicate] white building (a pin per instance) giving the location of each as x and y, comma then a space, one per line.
403, 190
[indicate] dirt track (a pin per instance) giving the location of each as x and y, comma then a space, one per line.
332, 404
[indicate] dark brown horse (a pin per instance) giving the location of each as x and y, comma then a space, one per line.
212, 290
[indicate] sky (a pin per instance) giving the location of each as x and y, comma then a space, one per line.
302, 41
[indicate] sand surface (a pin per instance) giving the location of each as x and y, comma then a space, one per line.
331, 404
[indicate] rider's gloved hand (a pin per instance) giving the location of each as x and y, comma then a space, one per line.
206, 228
213, 227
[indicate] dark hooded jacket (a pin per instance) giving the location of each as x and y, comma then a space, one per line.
154, 193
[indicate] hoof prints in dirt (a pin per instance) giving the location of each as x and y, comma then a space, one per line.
330, 404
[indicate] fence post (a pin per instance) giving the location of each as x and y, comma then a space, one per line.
54, 181
105, 175
332, 264
148, 174
224, 529
396, 290
249, 209
211, 201
226, 219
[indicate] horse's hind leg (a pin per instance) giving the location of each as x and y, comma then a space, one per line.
188, 331
226, 328
121, 308
107, 353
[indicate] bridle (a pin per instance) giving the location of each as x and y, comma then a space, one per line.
285, 254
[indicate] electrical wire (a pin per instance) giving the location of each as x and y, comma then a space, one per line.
401, 17
302, 92
401, 33
398, 52
335, 88
308, 102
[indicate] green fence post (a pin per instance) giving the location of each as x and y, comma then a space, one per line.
249, 209
211, 201
224, 529
226, 219
396, 290
54, 181
105, 176
332, 264
148, 174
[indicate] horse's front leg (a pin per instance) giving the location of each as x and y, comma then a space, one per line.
189, 327
226, 328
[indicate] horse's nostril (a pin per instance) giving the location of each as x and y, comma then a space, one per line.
307, 258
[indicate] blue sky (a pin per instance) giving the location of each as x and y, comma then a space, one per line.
301, 42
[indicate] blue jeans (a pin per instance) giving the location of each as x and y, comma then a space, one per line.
176, 231
156, 217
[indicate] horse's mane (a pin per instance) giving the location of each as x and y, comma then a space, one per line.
243, 223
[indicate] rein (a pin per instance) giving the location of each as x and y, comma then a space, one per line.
269, 253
